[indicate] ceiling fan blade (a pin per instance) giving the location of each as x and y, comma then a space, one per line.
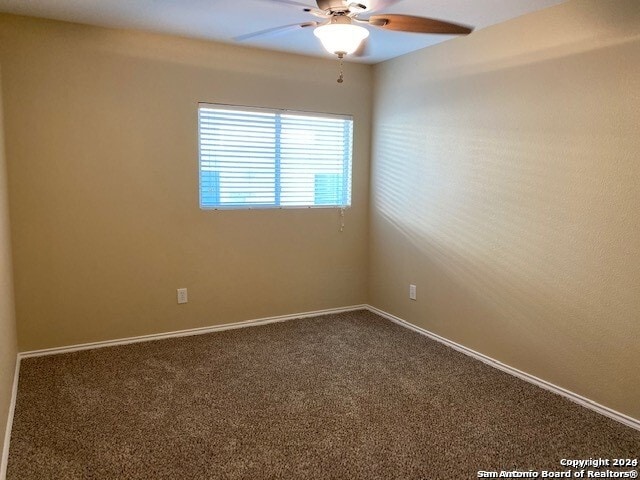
303, 6
368, 5
409, 23
292, 2
325, 5
273, 32
373, 5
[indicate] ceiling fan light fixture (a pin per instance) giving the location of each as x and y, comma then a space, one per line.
341, 38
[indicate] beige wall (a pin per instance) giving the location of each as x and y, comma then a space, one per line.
506, 186
101, 137
7, 313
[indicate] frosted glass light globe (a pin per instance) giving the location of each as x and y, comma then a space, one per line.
341, 37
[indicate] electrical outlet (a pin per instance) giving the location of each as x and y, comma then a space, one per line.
182, 295
412, 292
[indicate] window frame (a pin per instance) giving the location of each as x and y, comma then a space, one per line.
347, 166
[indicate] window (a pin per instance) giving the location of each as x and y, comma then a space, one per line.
261, 158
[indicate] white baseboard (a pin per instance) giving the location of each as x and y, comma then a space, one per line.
574, 397
187, 332
144, 338
7, 434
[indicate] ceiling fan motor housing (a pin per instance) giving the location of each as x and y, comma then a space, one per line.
341, 7
357, 7
340, 20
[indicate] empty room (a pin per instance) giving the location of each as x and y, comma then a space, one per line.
300, 239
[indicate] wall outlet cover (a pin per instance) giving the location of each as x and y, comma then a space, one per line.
182, 295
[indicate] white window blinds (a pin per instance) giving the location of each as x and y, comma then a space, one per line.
261, 158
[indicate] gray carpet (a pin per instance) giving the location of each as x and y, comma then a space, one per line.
348, 396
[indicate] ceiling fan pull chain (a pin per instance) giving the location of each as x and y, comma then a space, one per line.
341, 76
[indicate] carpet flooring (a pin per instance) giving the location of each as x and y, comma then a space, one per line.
345, 396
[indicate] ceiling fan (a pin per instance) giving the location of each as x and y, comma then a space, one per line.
341, 30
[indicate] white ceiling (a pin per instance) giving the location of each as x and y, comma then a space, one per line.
222, 20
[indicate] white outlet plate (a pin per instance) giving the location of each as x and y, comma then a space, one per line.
182, 295
412, 292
